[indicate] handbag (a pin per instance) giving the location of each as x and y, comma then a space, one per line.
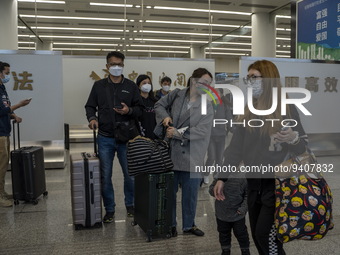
123, 130
303, 208
145, 155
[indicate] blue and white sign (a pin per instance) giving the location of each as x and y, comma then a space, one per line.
318, 29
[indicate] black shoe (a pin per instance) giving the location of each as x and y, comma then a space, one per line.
225, 252
108, 218
130, 211
195, 231
174, 232
245, 251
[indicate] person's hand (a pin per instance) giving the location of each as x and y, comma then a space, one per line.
218, 190
170, 131
17, 119
93, 124
25, 102
167, 121
286, 136
123, 111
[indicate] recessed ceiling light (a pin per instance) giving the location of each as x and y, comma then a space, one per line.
177, 33
200, 10
42, 1
169, 40
70, 17
112, 5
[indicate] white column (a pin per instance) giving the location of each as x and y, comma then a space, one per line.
263, 38
9, 25
197, 52
43, 45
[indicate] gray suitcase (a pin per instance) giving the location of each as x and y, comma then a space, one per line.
86, 190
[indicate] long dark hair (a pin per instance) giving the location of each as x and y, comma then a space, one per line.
143, 77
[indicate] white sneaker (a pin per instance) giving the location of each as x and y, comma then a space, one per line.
206, 179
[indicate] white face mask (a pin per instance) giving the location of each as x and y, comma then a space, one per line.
116, 70
256, 88
146, 88
166, 88
6, 79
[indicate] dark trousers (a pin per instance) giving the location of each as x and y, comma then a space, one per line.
240, 231
215, 151
261, 208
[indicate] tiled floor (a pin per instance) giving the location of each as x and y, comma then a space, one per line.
47, 228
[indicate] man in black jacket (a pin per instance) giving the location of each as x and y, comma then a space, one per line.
127, 105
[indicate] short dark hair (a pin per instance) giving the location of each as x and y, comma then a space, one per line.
3, 65
166, 78
116, 54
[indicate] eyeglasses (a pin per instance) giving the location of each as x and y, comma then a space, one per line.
251, 79
115, 64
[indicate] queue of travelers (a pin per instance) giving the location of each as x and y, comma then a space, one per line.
191, 137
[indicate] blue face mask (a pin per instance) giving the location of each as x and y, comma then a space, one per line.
6, 79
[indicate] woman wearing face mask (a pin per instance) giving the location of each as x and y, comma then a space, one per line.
189, 131
265, 145
148, 119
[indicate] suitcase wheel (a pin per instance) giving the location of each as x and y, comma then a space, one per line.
35, 202
149, 238
168, 235
78, 226
45, 193
133, 223
16, 201
98, 225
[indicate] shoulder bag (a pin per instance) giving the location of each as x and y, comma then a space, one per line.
303, 200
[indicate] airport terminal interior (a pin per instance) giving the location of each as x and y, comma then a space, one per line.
46, 228
73, 38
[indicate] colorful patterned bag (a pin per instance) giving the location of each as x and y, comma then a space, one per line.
303, 202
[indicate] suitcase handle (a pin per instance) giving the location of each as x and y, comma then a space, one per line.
95, 140
18, 133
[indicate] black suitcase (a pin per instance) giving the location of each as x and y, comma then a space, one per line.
154, 196
86, 189
28, 172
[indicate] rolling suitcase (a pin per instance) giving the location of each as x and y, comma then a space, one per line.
28, 172
154, 196
86, 189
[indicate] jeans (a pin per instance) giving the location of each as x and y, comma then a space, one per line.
240, 231
107, 147
190, 183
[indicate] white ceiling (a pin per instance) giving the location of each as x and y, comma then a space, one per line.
150, 27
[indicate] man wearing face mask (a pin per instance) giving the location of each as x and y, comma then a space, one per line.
127, 105
165, 84
6, 114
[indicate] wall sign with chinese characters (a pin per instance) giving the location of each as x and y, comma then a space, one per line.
180, 77
318, 29
328, 84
